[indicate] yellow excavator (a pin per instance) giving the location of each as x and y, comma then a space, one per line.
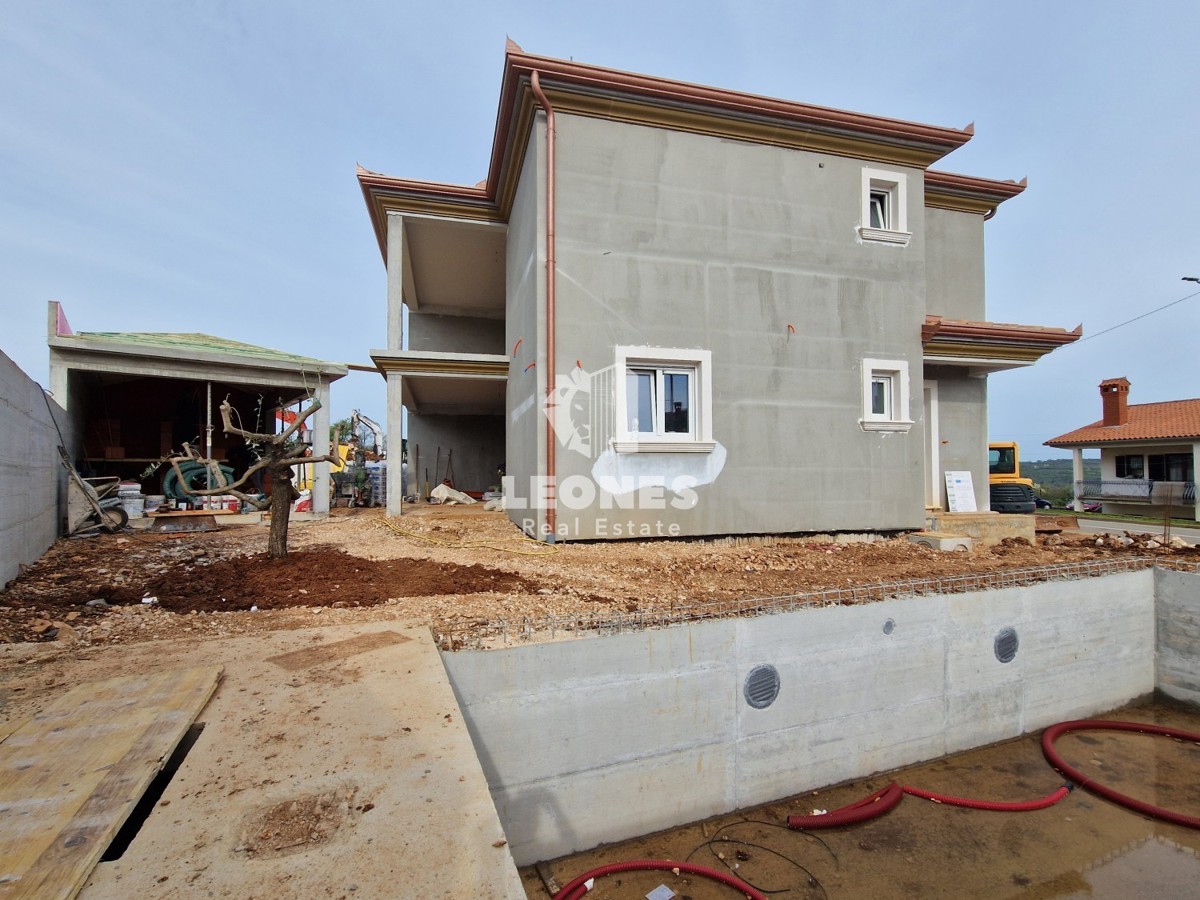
1007, 490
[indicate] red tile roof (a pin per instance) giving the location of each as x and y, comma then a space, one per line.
1147, 422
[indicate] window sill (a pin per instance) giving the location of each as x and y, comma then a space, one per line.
664, 446
885, 235
885, 425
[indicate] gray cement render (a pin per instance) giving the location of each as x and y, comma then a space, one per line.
1178, 620
676, 240
525, 322
395, 425
600, 739
962, 428
477, 442
455, 334
32, 480
954, 264
398, 277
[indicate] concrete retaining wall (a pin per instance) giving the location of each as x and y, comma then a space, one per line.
32, 480
1178, 615
599, 739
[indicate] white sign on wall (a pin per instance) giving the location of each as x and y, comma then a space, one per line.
960, 492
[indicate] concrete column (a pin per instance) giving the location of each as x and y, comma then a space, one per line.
320, 426
395, 431
395, 286
58, 384
1076, 477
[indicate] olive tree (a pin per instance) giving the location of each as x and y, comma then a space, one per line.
279, 454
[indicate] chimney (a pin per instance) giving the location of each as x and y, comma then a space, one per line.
1114, 394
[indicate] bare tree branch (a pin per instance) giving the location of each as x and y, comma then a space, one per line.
280, 454
230, 428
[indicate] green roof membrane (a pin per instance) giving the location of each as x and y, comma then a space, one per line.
195, 343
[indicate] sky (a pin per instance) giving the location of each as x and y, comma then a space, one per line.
189, 165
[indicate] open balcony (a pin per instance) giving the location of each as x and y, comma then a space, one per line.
1138, 490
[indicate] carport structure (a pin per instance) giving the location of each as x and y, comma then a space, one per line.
135, 397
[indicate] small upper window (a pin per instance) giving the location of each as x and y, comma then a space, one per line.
879, 209
882, 387
884, 207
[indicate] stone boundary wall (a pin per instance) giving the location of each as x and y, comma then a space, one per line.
602, 738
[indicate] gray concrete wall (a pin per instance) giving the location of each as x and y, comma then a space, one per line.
600, 739
525, 321
455, 334
962, 427
32, 480
668, 239
1178, 619
954, 264
477, 442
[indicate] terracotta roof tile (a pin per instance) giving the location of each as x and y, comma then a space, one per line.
1147, 422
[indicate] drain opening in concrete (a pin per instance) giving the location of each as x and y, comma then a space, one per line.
889, 626
761, 687
154, 791
1006, 645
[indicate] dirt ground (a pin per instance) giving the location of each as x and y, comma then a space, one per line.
460, 570
90, 608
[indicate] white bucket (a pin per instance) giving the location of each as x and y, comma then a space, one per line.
134, 506
154, 501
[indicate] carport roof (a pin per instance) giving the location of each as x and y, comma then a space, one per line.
188, 356
195, 342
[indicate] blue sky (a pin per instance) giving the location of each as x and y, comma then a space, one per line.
189, 166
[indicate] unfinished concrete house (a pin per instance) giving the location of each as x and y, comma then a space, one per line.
680, 310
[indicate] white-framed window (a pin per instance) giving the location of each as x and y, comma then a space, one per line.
885, 395
663, 400
884, 207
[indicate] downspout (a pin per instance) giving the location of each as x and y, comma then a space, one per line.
551, 270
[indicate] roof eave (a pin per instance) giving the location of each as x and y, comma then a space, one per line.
968, 193
644, 99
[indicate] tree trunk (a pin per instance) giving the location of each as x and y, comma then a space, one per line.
282, 495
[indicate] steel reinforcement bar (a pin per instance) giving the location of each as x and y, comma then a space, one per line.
502, 632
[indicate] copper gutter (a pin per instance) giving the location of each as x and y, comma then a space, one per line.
551, 269
937, 329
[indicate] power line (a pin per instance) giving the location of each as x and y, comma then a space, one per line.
1135, 318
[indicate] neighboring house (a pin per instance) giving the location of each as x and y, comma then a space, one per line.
1149, 455
680, 310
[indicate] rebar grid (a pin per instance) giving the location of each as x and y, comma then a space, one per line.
502, 632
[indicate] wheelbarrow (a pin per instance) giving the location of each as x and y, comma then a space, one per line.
92, 503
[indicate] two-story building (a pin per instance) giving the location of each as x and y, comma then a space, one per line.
679, 310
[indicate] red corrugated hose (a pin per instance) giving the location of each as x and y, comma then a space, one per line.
1054, 732
885, 799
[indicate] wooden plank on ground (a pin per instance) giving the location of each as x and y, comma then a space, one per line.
70, 776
